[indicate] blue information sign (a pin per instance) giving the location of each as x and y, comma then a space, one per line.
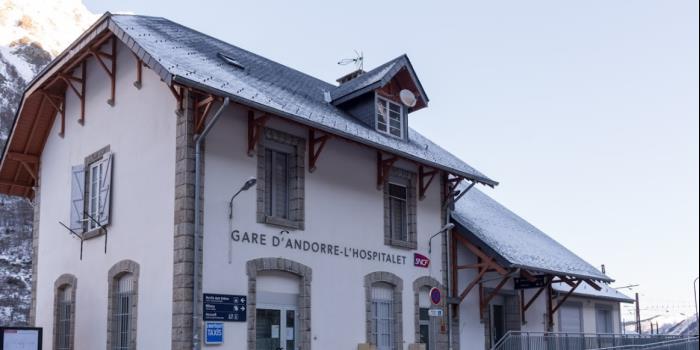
225, 308
215, 333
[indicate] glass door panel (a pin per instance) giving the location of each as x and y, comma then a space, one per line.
290, 330
268, 327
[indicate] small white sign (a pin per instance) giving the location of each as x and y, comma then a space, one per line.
290, 333
275, 331
435, 312
20, 339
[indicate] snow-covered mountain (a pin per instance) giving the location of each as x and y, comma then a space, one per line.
31, 33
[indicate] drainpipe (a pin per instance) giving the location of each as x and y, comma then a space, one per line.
198, 139
448, 237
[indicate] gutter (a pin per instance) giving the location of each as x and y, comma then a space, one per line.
196, 277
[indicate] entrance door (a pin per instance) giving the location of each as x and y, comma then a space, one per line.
498, 317
275, 328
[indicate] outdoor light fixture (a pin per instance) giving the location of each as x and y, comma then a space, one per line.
246, 186
447, 227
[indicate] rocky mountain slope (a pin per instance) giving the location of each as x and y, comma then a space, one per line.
31, 33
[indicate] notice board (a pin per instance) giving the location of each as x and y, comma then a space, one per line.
20, 338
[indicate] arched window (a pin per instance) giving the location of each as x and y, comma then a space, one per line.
123, 304
384, 310
64, 312
382, 305
122, 311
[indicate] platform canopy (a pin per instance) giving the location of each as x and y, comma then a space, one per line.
514, 242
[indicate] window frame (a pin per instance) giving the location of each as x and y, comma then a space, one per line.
60, 285
386, 103
396, 284
103, 160
121, 270
93, 193
295, 147
403, 235
406, 179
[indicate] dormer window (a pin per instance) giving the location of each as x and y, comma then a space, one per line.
389, 117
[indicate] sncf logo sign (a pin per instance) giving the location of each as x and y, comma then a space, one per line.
420, 260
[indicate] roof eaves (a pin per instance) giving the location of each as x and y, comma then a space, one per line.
259, 106
356, 93
141, 52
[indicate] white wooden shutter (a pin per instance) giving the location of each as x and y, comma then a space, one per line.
105, 189
77, 200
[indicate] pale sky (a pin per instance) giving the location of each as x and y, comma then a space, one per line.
586, 112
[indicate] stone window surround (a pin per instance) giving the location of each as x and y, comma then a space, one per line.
118, 270
65, 280
408, 178
396, 282
269, 138
256, 266
418, 284
91, 158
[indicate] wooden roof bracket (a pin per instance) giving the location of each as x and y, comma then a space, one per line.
593, 284
527, 305
201, 111
486, 299
179, 94
423, 185
566, 296
70, 80
384, 168
255, 126
452, 195
111, 71
59, 105
316, 145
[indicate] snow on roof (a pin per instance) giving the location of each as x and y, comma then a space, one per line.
514, 241
190, 57
584, 290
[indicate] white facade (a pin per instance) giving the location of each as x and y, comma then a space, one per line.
343, 207
140, 130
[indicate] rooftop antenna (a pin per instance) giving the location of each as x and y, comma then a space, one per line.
358, 60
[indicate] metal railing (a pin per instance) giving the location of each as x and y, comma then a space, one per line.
677, 344
574, 341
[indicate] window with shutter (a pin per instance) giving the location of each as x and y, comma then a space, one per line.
281, 179
77, 206
91, 187
98, 192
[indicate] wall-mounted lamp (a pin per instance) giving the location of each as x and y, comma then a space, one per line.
447, 227
246, 186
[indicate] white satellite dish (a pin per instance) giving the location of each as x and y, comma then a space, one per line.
407, 98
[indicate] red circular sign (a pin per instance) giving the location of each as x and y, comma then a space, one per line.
435, 296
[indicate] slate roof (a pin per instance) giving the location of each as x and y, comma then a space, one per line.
515, 242
373, 79
186, 56
586, 291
